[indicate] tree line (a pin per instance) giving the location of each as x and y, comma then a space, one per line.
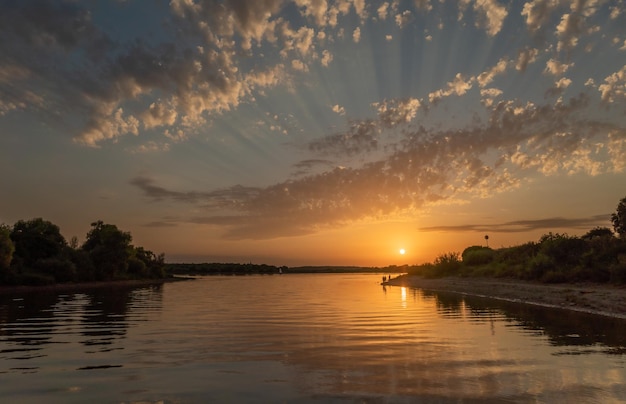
597, 256
34, 252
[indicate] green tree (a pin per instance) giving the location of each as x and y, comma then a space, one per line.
619, 218
109, 249
36, 239
477, 255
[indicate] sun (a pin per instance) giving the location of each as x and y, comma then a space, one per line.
402, 251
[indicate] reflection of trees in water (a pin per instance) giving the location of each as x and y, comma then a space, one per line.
561, 327
105, 315
30, 321
26, 323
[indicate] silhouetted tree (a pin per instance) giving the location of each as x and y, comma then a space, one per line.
597, 232
619, 218
36, 239
109, 249
6, 249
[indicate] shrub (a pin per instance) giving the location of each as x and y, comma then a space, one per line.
62, 270
35, 279
538, 266
618, 270
137, 267
477, 255
448, 263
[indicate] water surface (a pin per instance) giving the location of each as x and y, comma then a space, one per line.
301, 338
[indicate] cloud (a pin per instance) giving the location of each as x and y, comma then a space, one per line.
538, 12
299, 65
518, 226
383, 10
559, 87
362, 137
488, 76
424, 167
404, 18
556, 68
458, 86
327, 57
525, 57
614, 86
488, 95
338, 109
394, 112
356, 35
492, 15
424, 5
228, 198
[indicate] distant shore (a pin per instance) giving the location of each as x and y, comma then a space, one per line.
601, 299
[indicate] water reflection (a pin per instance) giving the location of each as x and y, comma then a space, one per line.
96, 319
561, 327
295, 338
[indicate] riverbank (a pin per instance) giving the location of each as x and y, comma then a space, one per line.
80, 286
601, 299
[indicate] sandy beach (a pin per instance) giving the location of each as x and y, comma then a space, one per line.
601, 299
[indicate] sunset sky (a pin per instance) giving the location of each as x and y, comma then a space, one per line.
313, 131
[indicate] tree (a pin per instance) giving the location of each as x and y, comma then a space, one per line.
597, 232
6, 248
619, 218
37, 239
109, 249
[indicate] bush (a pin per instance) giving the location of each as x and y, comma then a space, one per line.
448, 263
538, 266
562, 249
62, 270
477, 255
35, 279
137, 268
618, 270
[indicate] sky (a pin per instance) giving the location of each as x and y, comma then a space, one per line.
313, 132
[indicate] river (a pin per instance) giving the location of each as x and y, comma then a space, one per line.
301, 338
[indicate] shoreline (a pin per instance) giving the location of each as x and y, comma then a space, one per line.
79, 286
598, 299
